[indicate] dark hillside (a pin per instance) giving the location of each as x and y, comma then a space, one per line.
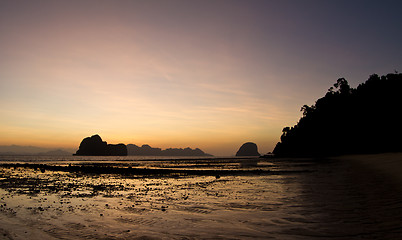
347, 121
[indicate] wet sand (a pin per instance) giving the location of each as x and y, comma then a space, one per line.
388, 164
341, 198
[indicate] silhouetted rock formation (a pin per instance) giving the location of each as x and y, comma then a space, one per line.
116, 150
348, 121
248, 149
146, 150
184, 152
94, 146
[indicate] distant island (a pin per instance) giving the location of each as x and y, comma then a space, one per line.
366, 119
31, 150
95, 146
146, 150
57, 152
248, 149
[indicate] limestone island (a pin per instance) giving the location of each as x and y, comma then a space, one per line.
248, 149
95, 146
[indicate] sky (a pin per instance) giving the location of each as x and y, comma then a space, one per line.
206, 74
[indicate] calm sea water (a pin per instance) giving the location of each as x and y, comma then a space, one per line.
71, 158
307, 199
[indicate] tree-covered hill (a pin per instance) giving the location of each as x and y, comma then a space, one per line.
366, 119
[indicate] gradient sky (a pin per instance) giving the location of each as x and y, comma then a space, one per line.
207, 74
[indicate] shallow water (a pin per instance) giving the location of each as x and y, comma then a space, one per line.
334, 199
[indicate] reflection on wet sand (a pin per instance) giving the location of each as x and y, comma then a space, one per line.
346, 200
334, 199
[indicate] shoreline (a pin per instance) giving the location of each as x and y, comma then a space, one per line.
150, 172
337, 200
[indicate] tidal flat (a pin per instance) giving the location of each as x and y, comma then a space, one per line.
342, 198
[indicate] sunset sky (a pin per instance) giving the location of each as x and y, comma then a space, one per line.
207, 74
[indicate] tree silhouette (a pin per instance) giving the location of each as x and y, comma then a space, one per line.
347, 120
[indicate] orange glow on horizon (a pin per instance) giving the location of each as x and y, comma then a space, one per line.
206, 74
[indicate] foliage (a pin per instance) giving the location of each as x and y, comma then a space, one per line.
348, 121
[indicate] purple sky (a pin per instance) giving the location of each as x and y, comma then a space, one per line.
208, 74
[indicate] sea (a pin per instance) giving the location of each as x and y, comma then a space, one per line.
130, 197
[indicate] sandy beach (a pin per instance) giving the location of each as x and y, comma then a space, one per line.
348, 197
